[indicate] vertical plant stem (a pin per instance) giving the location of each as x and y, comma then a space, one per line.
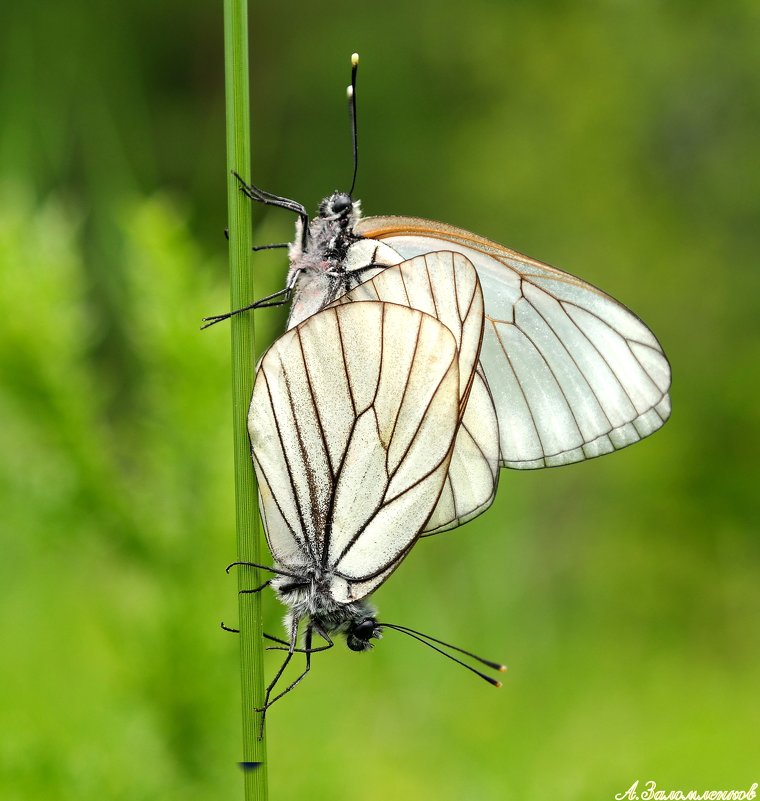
243, 361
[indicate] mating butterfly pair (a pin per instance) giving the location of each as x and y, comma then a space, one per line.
419, 359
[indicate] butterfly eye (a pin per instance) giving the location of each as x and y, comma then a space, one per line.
365, 629
359, 635
340, 203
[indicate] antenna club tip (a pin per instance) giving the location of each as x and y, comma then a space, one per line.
498, 684
502, 668
354, 59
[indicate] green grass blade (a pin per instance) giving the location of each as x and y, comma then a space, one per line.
243, 360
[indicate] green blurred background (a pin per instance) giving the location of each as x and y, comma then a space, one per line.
615, 139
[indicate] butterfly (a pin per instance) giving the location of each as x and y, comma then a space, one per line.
356, 414
419, 359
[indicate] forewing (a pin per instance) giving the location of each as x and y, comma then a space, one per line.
573, 373
445, 285
352, 421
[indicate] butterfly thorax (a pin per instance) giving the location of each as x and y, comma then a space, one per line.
310, 599
320, 267
330, 235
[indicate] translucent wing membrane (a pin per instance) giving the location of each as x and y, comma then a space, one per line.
573, 373
352, 422
446, 286
443, 285
473, 474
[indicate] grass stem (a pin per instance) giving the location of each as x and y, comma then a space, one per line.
237, 103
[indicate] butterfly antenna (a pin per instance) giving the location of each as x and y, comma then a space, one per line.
487, 662
352, 114
420, 637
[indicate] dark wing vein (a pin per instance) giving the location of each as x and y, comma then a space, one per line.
382, 358
385, 500
298, 539
572, 358
551, 372
345, 365
601, 355
430, 286
314, 403
317, 523
406, 291
403, 396
287, 465
333, 494
379, 506
517, 379
411, 442
638, 360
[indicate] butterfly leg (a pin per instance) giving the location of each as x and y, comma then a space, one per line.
279, 298
268, 199
269, 300
257, 589
371, 266
308, 651
257, 248
284, 645
245, 592
273, 683
260, 567
291, 650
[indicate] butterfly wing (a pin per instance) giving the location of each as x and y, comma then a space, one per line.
473, 475
573, 373
446, 286
352, 422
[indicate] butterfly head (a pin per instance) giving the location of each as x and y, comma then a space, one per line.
362, 632
340, 207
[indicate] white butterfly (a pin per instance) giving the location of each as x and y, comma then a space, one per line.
356, 418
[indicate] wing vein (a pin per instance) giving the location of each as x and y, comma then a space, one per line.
345, 365
638, 361
601, 355
379, 506
299, 510
411, 442
430, 286
315, 405
517, 381
572, 358
382, 358
401, 402
331, 504
278, 505
552, 373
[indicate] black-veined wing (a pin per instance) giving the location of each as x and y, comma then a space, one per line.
573, 373
473, 476
352, 422
446, 286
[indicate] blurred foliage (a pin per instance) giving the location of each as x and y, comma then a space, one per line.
615, 139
